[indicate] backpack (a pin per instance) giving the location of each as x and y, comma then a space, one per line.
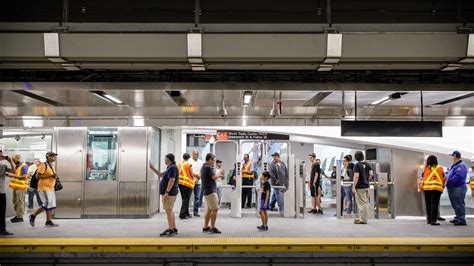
34, 180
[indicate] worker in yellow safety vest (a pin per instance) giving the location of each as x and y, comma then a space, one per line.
433, 186
247, 180
19, 184
186, 185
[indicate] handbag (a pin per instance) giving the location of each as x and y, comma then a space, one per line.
57, 186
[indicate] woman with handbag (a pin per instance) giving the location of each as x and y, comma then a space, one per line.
47, 184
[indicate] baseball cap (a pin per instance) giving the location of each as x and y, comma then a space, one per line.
218, 161
312, 155
50, 153
456, 154
275, 154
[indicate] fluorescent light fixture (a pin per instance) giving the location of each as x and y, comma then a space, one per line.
467, 60
325, 67
138, 121
244, 122
56, 59
198, 67
71, 67
451, 67
380, 101
195, 60
247, 98
455, 99
33, 121
332, 60
107, 97
386, 101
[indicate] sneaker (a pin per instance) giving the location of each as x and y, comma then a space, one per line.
184, 218
206, 230
440, 219
6, 233
266, 228
16, 220
196, 214
215, 231
435, 223
175, 231
261, 228
32, 220
167, 233
311, 211
459, 224
453, 221
51, 224
320, 211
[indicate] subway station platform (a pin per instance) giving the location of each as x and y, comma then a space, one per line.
313, 239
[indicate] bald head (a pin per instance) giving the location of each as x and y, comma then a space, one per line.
195, 154
16, 158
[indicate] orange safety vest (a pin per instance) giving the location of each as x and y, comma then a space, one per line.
185, 176
433, 178
246, 173
16, 183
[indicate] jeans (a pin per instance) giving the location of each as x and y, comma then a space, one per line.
456, 196
279, 197
348, 193
247, 192
219, 195
32, 192
3, 210
197, 198
432, 204
362, 200
273, 201
185, 197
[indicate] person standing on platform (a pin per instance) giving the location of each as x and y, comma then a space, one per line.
168, 191
196, 165
186, 185
247, 180
32, 192
219, 181
209, 189
333, 182
362, 173
432, 186
19, 184
265, 188
6, 167
315, 174
347, 176
319, 187
46, 182
279, 177
456, 184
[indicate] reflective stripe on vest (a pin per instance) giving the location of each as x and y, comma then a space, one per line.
185, 177
435, 183
246, 173
16, 183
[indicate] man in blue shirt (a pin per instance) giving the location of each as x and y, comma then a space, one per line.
456, 184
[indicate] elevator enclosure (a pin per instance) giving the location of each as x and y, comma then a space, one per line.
105, 171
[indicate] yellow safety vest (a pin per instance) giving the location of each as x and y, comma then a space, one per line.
434, 179
16, 183
471, 184
246, 173
185, 177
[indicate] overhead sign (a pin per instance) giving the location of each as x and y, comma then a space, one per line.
245, 135
391, 128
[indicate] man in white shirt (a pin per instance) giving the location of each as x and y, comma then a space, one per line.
196, 165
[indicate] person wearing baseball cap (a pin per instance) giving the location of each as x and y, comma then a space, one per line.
46, 183
456, 184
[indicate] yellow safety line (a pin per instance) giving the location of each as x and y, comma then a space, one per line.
464, 245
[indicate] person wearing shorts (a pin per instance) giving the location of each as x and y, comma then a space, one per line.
209, 190
168, 190
264, 202
46, 182
314, 183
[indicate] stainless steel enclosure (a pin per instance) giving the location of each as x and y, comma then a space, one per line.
122, 187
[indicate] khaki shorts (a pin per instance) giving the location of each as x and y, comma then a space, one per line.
168, 203
212, 201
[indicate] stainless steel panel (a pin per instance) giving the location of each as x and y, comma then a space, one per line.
133, 154
407, 199
382, 196
153, 197
132, 198
70, 144
100, 198
69, 200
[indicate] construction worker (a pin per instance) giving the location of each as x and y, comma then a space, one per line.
247, 180
433, 186
19, 184
419, 185
186, 185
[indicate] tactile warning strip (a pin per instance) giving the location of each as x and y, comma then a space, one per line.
386, 245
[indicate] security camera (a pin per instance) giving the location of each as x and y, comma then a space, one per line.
43, 136
222, 112
17, 137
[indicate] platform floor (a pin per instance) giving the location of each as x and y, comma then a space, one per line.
313, 226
